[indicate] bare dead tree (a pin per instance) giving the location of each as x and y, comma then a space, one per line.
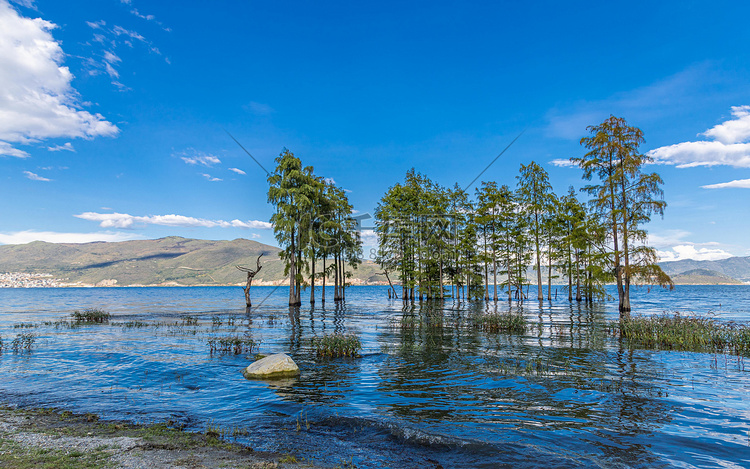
389, 283
250, 274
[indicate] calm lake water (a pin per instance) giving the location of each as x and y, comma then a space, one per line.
435, 393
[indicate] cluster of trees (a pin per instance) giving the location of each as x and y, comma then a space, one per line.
441, 242
312, 224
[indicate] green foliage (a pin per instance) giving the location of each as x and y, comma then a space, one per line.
312, 220
624, 199
537, 202
337, 345
91, 316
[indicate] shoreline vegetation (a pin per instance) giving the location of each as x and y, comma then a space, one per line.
56, 438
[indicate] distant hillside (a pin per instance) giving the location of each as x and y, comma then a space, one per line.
166, 261
734, 267
704, 277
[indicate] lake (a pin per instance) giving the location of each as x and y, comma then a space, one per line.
429, 390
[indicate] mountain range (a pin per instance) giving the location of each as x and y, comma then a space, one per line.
166, 261
183, 261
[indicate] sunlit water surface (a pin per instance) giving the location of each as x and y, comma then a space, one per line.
429, 390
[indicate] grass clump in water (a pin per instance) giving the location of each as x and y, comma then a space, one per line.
232, 345
190, 321
337, 345
22, 343
91, 316
684, 332
501, 322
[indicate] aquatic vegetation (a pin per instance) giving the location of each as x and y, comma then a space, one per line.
22, 342
25, 325
220, 432
134, 324
190, 321
91, 316
501, 322
232, 345
683, 332
337, 345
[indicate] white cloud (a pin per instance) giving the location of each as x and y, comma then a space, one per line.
211, 178
123, 220
329, 181
96, 24
6, 149
671, 246
702, 153
25, 3
142, 16
35, 177
67, 147
688, 251
111, 57
23, 237
737, 183
237, 170
729, 147
37, 99
368, 237
735, 130
120, 31
191, 156
563, 163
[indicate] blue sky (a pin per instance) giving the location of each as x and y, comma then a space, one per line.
113, 112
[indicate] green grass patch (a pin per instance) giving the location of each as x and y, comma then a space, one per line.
91, 316
683, 332
501, 322
17, 456
232, 345
337, 345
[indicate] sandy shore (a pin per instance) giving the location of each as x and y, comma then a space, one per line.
48, 438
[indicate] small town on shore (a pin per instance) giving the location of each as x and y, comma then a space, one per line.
23, 280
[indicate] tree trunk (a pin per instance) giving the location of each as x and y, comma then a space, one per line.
578, 276
486, 274
625, 303
312, 281
540, 294
570, 275
292, 270
325, 272
549, 270
247, 289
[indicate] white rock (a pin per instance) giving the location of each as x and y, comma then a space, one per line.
279, 365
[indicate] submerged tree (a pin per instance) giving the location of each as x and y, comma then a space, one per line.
312, 221
537, 199
625, 198
250, 274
